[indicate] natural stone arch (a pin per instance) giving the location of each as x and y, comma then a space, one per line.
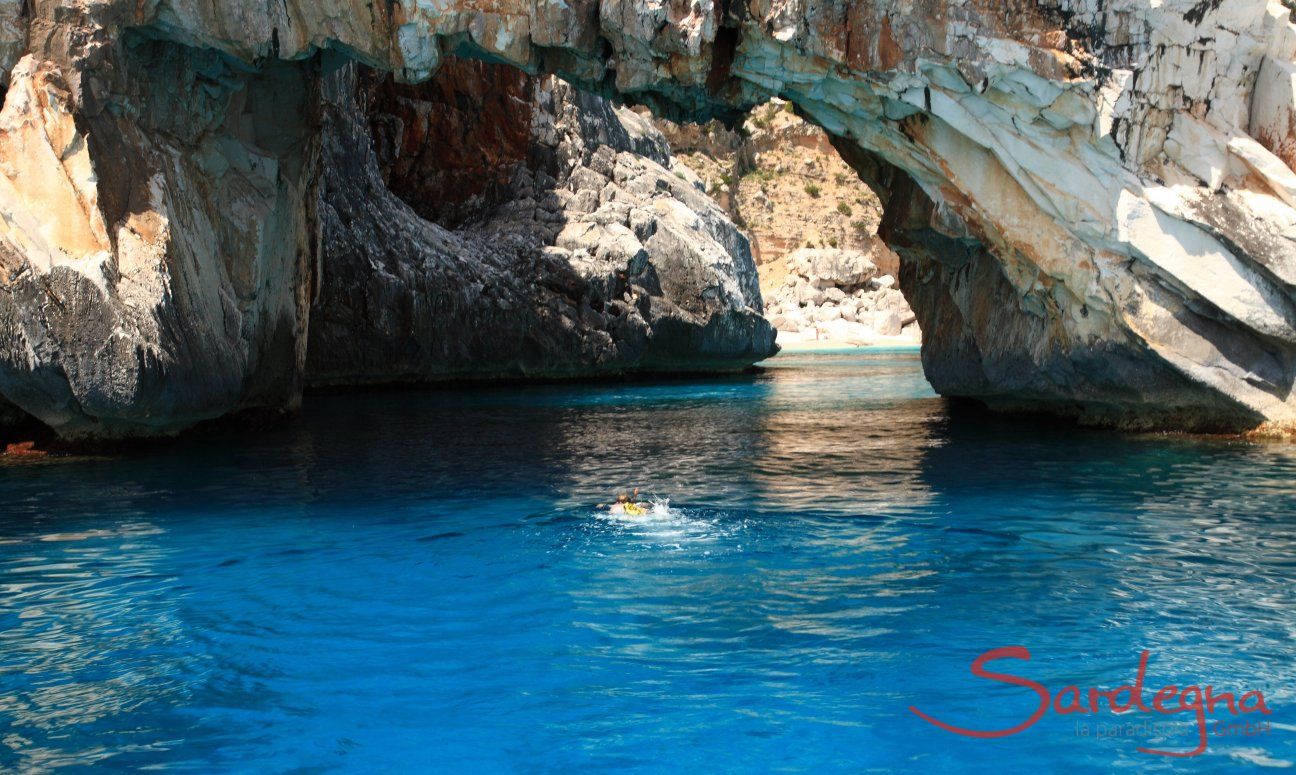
1089, 220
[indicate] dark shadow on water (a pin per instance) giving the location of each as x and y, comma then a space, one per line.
361, 572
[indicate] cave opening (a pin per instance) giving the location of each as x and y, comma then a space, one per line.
853, 244
480, 141
827, 278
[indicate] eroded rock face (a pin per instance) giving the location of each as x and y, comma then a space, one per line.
157, 224
1093, 199
565, 246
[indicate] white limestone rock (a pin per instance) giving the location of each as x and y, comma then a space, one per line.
887, 323
828, 267
1050, 178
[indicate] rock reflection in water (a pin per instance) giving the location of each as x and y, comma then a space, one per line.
415, 579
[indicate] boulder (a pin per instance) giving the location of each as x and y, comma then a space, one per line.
833, 267
810, 296
887, 323
827, 313
784, 322
846, 332
889, 300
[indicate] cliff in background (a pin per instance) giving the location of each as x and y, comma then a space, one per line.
827, 279
1093, 200
784, 183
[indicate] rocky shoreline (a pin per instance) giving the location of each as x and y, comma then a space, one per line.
841, 296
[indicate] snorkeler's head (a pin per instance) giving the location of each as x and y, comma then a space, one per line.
622, 498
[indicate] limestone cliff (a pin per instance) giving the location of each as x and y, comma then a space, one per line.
572, 248
1093, 199
157, 231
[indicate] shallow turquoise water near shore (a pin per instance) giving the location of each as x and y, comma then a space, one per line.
420, 580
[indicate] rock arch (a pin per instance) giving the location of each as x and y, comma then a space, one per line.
1094, 201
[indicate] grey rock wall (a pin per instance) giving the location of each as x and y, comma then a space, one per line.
593, 259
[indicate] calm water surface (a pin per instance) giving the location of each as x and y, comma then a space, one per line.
420, 580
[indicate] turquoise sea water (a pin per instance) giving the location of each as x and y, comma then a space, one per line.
406, 580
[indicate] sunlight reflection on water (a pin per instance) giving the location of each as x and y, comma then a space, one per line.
422, 579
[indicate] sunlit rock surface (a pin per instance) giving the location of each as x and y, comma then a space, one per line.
841, 297
156, 236
1093, 199
574, 250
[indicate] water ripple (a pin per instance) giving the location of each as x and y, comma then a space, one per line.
421, 580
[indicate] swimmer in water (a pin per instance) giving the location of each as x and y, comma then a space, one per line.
627, 504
